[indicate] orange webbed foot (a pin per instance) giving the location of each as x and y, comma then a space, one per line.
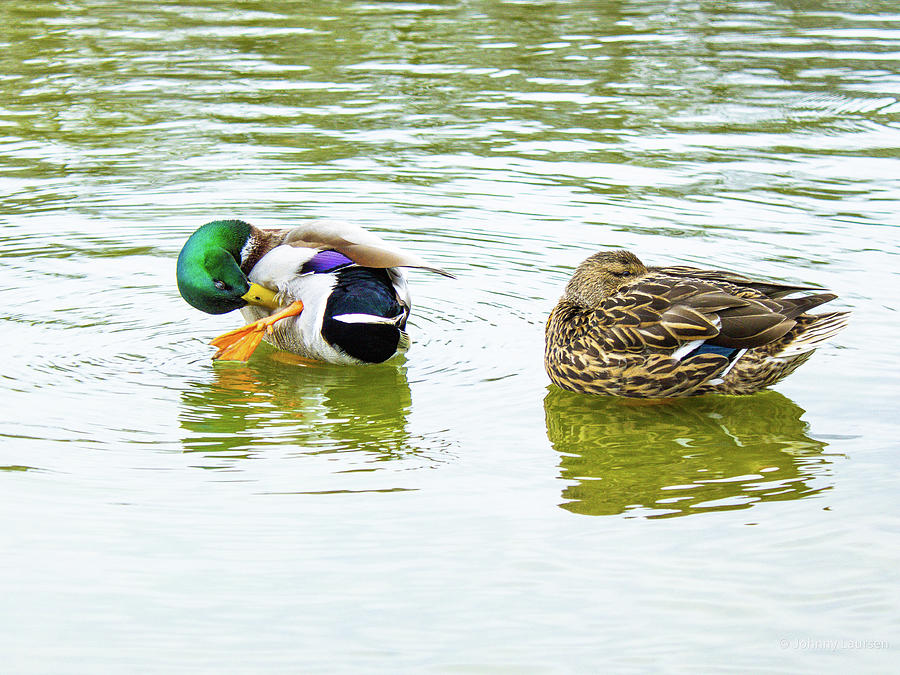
239, 344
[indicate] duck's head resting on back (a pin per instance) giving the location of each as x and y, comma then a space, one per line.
601, 275
625, 329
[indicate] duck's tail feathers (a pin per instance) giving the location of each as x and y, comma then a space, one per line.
794, 307
436, 270
811, 332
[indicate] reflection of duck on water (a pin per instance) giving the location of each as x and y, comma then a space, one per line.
688, 456
308, 408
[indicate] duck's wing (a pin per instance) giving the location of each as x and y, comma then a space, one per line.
660, 316
771, 289
361, 246
662, 312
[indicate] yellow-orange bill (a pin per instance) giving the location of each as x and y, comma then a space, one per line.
260, 295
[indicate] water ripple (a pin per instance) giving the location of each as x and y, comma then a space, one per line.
504, 141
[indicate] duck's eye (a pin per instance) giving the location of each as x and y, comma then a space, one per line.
221, 285
621, 273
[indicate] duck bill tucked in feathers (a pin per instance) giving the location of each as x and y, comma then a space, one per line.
326, 291
624, 329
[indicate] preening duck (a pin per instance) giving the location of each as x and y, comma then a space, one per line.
624, 329
328, 292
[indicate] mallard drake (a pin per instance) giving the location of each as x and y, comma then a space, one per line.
328, 292
624, 329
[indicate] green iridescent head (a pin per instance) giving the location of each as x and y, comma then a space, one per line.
208, 270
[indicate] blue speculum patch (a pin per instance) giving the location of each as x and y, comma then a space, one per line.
325, 261
714, 349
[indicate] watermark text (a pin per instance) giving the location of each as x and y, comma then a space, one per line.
829, 645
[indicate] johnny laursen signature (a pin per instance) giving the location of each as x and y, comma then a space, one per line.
814, 644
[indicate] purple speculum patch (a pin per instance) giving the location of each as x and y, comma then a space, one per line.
325, 261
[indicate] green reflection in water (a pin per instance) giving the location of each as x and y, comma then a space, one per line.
308, 408
710, 453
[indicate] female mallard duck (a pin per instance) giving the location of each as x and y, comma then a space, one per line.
623, 329
329, 292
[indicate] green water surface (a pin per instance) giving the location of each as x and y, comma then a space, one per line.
450, 511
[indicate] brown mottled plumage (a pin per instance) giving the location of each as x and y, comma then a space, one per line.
624, 329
